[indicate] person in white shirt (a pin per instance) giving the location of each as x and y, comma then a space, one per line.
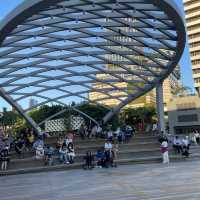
164, 150
177, 144
186, 146
70, 152
39, 152
108, 146
197, 137
108, 153
185, 141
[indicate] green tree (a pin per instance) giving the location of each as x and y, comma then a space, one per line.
143, 114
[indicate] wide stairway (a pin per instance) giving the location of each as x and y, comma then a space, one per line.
142, 148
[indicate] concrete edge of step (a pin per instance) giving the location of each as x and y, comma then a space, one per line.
52, 140
193, 147
152, 159
120, 152
81, 147
81, 154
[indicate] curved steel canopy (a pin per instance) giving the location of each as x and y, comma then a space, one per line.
62, 50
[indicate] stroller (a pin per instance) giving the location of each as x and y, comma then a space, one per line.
89, 161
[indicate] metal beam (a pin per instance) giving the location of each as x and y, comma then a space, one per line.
88, 43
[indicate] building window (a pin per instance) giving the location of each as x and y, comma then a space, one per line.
186, 106
188, 118
197, 80
195, 62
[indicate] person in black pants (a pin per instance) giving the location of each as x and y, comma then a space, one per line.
4, 155
19, 147
89, 158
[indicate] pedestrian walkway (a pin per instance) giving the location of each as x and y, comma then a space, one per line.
176, 181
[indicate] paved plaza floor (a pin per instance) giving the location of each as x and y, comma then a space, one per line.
177, 181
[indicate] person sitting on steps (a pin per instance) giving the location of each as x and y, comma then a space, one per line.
177, 144
70, 152
63, 156
48, 155
186, 146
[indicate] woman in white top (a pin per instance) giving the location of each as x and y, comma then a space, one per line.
70, 152
108, 146
39, 154
164, 150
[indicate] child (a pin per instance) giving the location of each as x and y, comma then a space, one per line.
48, 155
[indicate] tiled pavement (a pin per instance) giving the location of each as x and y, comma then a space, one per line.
177, 181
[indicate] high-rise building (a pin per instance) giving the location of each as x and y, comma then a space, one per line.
32, 103
169, 85
192, 14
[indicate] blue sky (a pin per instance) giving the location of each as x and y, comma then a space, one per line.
185, 62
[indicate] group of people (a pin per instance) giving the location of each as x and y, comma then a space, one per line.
105, 157
27, 140
121, 134
182, 145
94, 132
20, 142
66, 150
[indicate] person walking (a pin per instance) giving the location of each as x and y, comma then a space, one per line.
115, 152
164, 151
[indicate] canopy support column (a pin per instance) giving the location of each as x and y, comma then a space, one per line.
160, 108
15, 105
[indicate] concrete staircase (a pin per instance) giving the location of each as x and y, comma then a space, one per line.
142, 148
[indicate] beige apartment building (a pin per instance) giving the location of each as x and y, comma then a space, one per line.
192, 14
170, 85
184, 115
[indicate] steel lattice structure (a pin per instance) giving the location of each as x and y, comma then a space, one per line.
57, 50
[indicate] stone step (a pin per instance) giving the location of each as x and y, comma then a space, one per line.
152, 159
128, 146
101, 142
123, 154
78, 140
141, 148
31, 161
95, 147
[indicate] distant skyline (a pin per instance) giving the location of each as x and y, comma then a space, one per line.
185, 62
